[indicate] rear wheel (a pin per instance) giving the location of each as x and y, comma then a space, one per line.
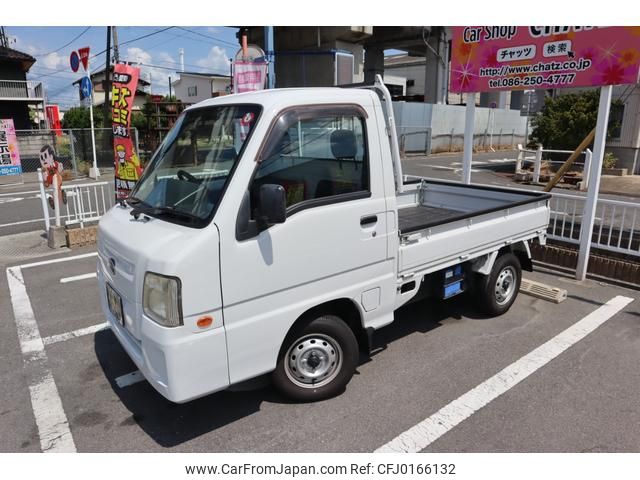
496, 292
318, 360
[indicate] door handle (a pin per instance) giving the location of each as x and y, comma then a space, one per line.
368, 220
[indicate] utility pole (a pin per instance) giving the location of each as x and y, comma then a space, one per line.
170, 89
107, 84
116, 51
3, 38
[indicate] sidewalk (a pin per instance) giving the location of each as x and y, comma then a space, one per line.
628, 185
25, 246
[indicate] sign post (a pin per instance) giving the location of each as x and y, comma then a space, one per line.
595, 169
469, 125
86, 92
494, 58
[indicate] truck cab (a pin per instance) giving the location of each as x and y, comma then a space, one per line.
274, 232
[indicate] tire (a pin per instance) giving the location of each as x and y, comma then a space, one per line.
317, 360
496, 292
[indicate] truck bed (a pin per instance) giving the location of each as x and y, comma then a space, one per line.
415, 218
443, 223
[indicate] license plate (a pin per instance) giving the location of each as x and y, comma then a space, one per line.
115, 304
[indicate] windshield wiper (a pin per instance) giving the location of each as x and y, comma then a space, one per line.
170, 211
132, 201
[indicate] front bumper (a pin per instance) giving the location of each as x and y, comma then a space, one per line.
180, 363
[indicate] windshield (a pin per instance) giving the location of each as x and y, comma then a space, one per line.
191, 168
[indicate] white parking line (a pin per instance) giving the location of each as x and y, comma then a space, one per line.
78, 277
430, 429
52, 423
129, 379
75, 334
58, 260
22, 222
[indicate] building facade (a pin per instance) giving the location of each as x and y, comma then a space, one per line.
20, 99
194, 87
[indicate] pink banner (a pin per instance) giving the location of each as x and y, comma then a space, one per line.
485, 59
9, 153
249, 76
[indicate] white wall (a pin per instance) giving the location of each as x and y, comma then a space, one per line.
202, 84
446, 124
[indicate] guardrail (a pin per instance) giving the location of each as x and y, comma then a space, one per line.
536, 159
85, 202
616, 227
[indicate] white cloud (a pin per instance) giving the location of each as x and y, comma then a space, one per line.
159, 77
53, 60
17, 43
217, 61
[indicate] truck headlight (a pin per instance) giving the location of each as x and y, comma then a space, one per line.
161, 299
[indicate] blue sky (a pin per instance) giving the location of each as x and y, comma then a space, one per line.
206, 49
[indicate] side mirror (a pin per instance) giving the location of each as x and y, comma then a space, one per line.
272, 205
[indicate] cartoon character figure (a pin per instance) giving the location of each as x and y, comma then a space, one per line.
130, 169
52, 168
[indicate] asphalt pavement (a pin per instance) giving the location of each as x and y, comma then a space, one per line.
587, 398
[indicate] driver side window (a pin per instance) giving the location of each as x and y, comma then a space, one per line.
316, 155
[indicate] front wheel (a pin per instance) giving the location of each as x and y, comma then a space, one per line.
317, 361
496, 292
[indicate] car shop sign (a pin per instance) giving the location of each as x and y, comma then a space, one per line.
485, 59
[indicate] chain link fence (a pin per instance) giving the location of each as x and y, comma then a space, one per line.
73, 148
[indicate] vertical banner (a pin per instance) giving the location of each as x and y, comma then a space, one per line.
126, 161
249, 76
9, 153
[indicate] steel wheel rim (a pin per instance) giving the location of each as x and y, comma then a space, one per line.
505, 285
313, 361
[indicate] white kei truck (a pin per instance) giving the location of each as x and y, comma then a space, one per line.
274, 231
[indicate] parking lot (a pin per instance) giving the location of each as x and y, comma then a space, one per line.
69, 386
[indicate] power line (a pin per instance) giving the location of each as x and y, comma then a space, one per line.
208, 36
56, 72
65, 45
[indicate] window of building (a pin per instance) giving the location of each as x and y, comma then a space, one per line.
192, 91
411, 83
316, 156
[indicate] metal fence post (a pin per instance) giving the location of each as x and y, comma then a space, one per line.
426, 143
43, 200
586, 170
537, 165
135, 134
56, 199
72, 145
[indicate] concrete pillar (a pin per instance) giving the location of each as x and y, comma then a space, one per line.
435, 85
373, 64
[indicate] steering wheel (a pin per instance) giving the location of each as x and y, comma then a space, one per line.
184, 175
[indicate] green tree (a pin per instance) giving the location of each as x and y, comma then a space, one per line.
566, 120
78, 117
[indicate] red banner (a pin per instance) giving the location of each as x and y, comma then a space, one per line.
126, 161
